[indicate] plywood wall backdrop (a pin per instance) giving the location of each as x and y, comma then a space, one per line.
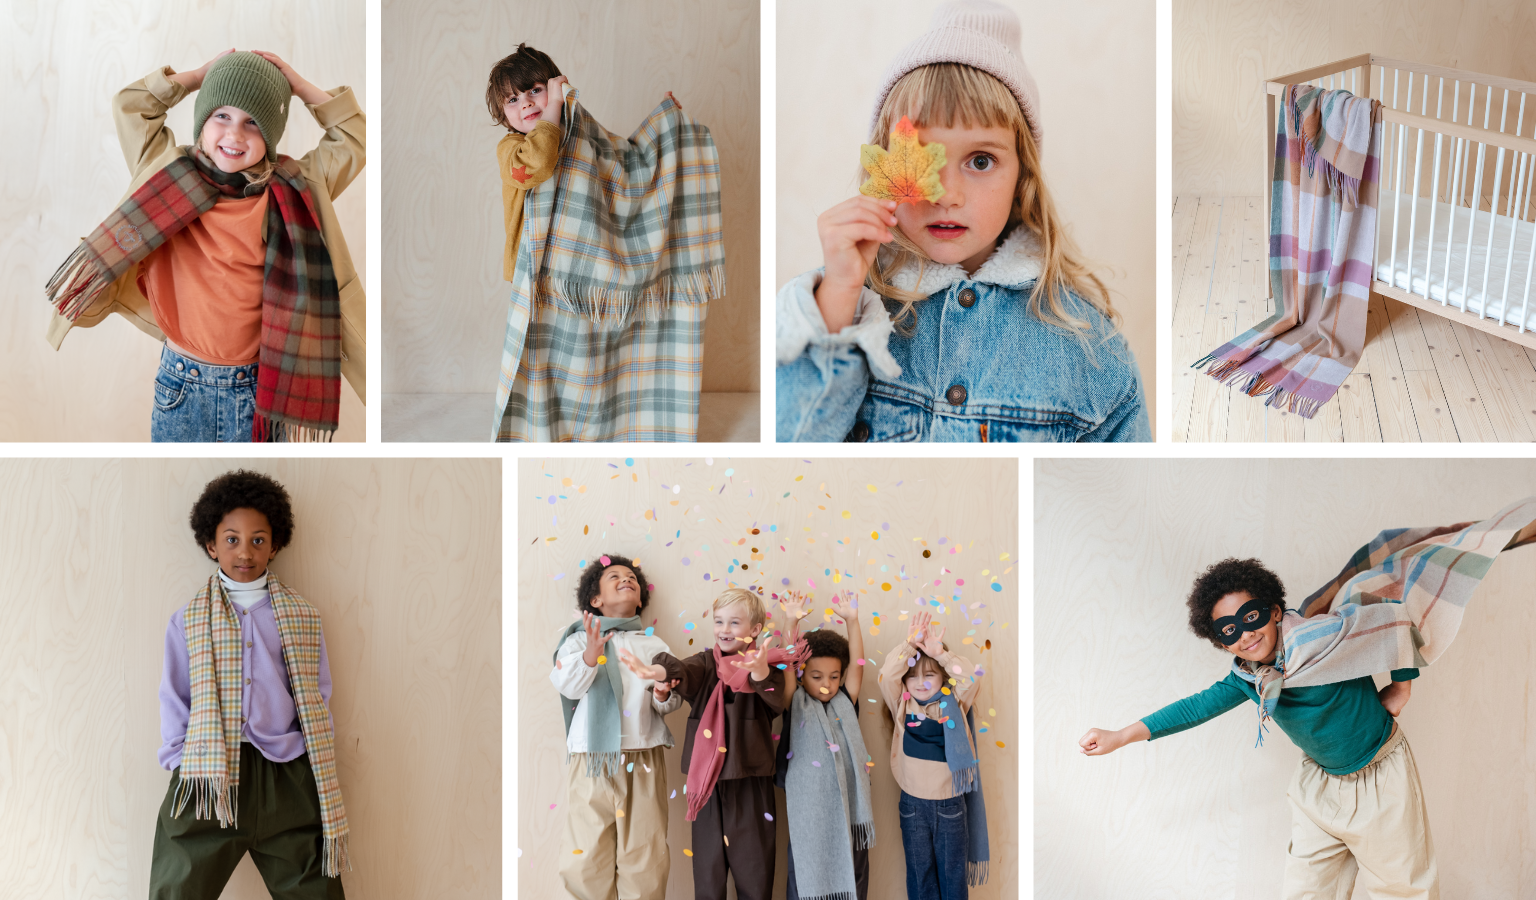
1093, 64
445, 303
1223, 51
403, 560
688, 522
60, 65
1203, 813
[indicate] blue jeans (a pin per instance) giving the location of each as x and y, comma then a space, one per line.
933, 836
195, 401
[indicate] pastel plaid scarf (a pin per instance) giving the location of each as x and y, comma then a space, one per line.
298, 380
210, 763
1322, 238
603, 699
620, 252
1397, 604
709, 739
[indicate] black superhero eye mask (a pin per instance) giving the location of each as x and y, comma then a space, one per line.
1252, 616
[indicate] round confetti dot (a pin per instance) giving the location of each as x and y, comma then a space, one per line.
602, 660
832, 747
576, 852
722, 749
707, 733
687, 852
885, 586
629, 462
1000, 744
875, 535
816, 763
997, 587
768, 816
605, 560
618, 814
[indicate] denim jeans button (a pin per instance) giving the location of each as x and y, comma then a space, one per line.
194, 373
967, 298
240, 376
955, 395
179, 367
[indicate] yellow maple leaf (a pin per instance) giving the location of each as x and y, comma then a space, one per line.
906, 173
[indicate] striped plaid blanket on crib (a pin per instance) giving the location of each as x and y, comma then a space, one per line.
1397, 604
620, 252
1322, 239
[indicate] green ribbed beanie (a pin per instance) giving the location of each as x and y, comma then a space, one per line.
249, 83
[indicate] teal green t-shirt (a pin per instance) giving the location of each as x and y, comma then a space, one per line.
1341, 726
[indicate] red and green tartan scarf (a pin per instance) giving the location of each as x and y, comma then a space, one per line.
210, 757
298, 379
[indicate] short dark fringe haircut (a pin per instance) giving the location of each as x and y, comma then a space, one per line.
828, 644
591, 577
1228, 577
242, 489
517, 73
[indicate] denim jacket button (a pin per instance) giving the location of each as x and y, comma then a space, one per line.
240, 376
194, 373
967, 298
955, 395
860, 432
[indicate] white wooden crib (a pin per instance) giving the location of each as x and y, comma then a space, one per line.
1454, 233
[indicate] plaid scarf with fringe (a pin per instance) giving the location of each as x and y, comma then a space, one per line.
210, 760
621, 251
1322, 242
1397, 604
298, 380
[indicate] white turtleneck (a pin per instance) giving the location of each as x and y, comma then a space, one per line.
247, 594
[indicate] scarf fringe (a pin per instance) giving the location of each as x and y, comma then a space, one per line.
1230, 372
266, 431
1348, 187
840, 895
601, 765
976, 872
212, 796
336, 856
863, 835
604, 304
76, 283
963, 781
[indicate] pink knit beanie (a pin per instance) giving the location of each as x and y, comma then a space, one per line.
979, 33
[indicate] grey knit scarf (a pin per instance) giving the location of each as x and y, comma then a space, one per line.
827, 780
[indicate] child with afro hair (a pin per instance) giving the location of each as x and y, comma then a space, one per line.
245, 702
615, 740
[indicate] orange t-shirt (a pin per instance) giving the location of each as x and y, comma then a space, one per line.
204, 283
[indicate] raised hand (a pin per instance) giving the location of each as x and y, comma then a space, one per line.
933, 643
193, 80
917, 628
755, 661
850, 232
596, 640
795, 606
845, 607
655, 673
301, 88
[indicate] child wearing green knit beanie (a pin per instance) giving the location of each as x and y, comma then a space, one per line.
230, 253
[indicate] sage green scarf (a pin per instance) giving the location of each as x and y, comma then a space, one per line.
603, 698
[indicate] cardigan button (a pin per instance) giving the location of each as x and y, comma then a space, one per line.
860, 432
967, 298
955, 395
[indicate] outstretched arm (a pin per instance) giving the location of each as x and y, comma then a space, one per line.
848, 609
1098, 741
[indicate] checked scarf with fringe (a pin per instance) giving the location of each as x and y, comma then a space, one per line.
298, 379
210, 759
620, 252
1322, 241
1397, 604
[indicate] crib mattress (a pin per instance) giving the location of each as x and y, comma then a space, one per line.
1510, 251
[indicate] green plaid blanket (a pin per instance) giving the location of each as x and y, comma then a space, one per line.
210, 763
620, 252
1397, 604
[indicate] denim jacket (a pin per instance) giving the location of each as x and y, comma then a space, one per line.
978, 366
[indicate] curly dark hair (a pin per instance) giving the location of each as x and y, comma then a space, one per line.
243, 489
1227, 577
514, 74
589, 587
828, 644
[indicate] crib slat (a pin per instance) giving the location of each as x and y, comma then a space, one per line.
1413, 208
1477, 203
1517, 177
1493, 205
1434, 199
1458, 167
1397, 184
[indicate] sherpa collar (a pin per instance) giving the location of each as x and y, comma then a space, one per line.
1014, 263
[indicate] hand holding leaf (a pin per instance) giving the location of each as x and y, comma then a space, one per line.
908, 172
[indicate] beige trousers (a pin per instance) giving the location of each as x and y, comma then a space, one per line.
1371, 822
619, 823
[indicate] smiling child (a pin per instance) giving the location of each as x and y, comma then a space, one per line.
245, 714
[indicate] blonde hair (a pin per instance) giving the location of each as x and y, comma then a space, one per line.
753, 603
258, 173
940, 95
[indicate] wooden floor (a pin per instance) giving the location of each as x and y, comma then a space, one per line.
1420, 378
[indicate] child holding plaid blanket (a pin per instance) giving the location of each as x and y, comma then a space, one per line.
1356, 801
230, 253
245, 702
965, 314
615, 740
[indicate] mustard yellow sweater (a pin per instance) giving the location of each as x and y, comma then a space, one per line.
526, 161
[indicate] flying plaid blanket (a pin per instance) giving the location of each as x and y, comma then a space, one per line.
620, 252
1322, 237
1397, 604
210, 761
298, 378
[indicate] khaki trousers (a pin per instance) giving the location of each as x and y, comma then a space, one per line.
1371, 823
619, 823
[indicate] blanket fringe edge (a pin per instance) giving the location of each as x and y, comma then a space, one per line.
1231, 373
603, 304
